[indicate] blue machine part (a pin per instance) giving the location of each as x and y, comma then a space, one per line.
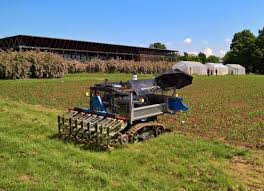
87, 110
97, 104
176, 104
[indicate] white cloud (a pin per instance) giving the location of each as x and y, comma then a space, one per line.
188, 41
228, 40
222, 52
208, 51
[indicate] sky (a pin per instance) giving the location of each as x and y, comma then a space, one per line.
185, 25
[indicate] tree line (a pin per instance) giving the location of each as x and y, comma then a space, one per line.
175, 57
201, 57
247, 50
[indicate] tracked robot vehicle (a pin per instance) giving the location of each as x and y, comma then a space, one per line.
125, 112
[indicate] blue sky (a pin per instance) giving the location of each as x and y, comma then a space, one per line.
184, 25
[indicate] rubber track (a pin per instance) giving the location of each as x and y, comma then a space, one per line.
139, 126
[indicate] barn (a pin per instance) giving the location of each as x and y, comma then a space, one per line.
82, 50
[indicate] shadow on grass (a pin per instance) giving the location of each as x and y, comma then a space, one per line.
82, 145
91, 146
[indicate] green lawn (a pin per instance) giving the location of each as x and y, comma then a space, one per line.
196, 156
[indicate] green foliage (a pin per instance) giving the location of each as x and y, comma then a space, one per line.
259, 52
202, 57
241, 50
247, 50
189, 57
158, 45
213, 59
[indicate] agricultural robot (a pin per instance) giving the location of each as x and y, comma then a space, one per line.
125, 112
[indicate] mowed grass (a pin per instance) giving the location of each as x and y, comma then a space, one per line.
32, 158
228, 108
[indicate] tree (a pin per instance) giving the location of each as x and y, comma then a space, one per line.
189, 57
158, 45
227, 59
202, 57
260, 39
258, 54
242, 49
213, 59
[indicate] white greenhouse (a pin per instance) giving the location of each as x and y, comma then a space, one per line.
236, 69
191, 67
217, 68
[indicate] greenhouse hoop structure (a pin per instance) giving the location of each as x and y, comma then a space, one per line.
217, 68
191, 67
236, 69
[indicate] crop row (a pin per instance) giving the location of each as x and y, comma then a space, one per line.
36, 64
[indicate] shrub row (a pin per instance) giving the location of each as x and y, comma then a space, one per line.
36, 64
126, 66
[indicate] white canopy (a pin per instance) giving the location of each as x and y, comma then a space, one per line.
236, 69
191, 67
217, 68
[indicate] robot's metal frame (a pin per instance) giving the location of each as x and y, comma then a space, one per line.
120, 113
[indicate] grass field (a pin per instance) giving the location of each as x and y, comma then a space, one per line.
206, 152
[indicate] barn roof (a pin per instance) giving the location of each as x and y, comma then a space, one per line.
37, 42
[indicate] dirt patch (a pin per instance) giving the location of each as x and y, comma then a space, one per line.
238, 104
260, 145
25, 178
249, 172
116, 183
